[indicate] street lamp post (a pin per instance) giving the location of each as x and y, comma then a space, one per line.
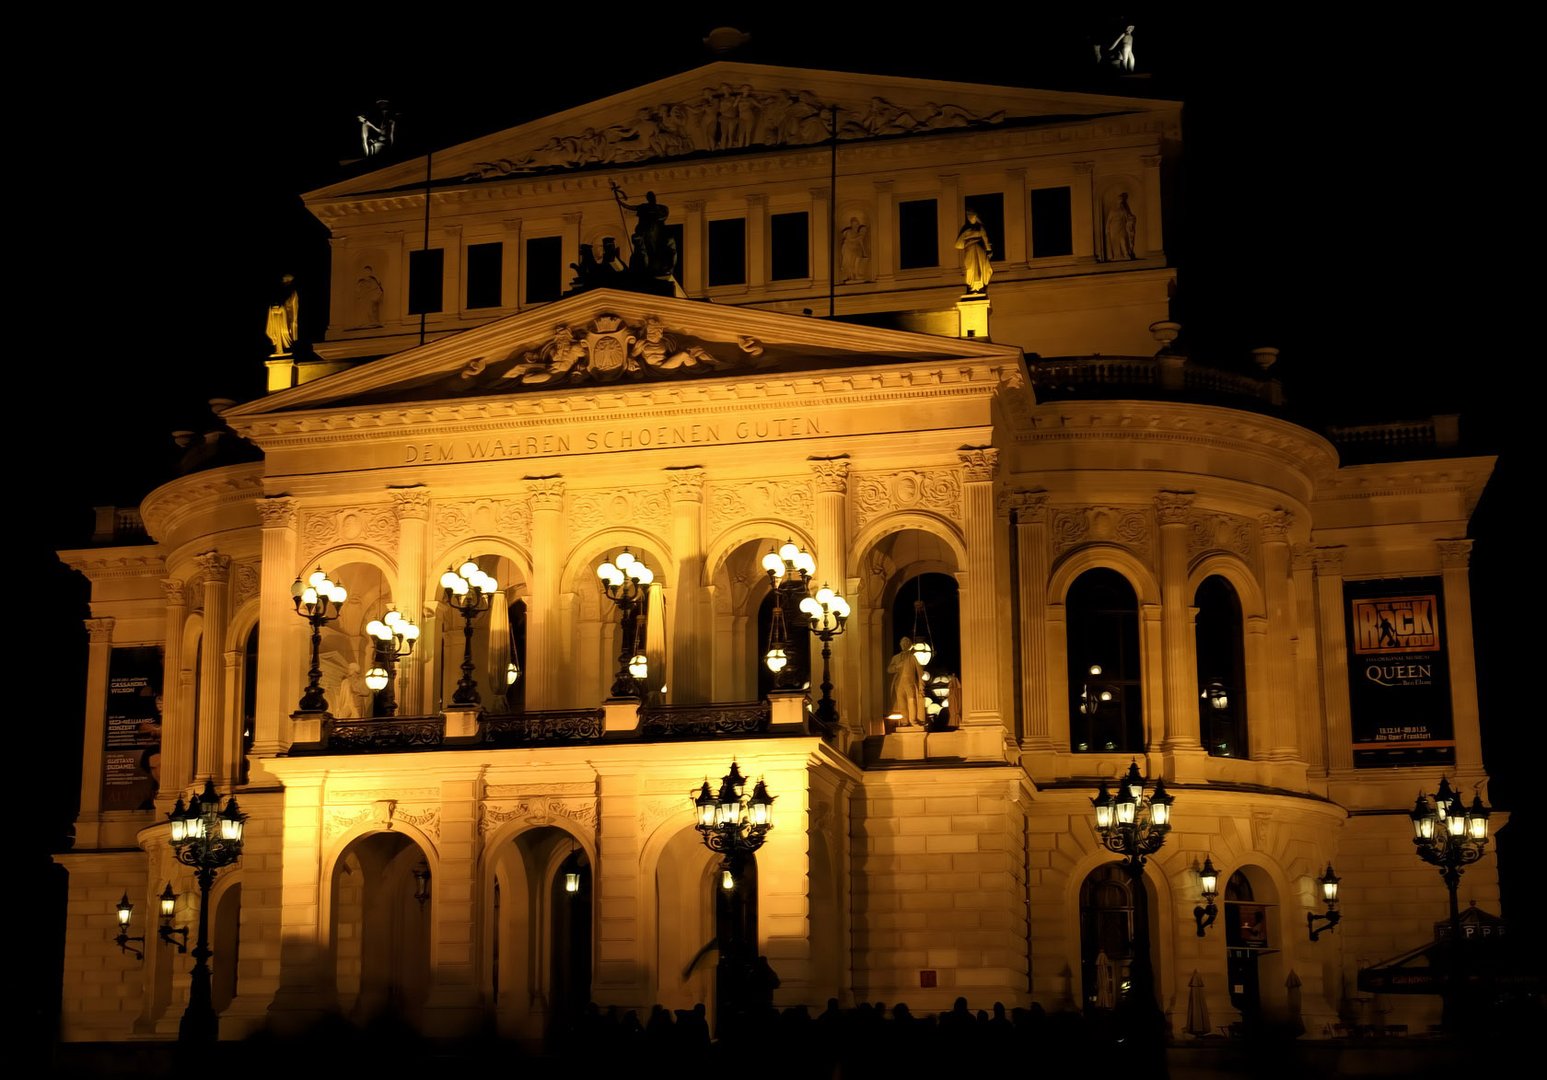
790, 573
206, 837
625, 581
318, 600
470, 591
394, 637
828, 613
1135, 827
1450, 835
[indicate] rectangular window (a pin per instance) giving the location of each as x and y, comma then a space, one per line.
425, 275
728, 251
990, 210
544, 269
918, 235
674, 234
789, 241
1052, 223
485, 265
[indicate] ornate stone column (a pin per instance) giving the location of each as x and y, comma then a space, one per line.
757, 240
982, 646
690, 681
692, 254
1032, 568
1280, 743
176, 725
1455, 557
99, 656
215, 569
1334, 657
412, 507
831, 475
279, 631
1312, 735
544, 653
1179, 666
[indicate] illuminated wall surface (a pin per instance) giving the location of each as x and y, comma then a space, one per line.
1116, 554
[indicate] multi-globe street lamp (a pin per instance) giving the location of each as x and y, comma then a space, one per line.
206, 837
827, 614
394, 637
1450, 835
791, 570
470, 592
318, 600
626, 581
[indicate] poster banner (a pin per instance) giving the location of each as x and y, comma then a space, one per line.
131, 760
1398, 673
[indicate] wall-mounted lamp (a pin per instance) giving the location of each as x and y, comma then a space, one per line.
166, 931
1208, 880
421, 884
125, 913
572, 875
1329, 894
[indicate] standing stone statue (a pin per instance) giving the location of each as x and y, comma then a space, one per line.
976, 253
654, 252
1122, 230
368, 294
854, 253
1122, 50
283, 322
907, 687
377, 133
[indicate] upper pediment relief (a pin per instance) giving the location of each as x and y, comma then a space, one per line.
731, 107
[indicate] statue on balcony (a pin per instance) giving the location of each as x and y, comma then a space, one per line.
654, 252
284, 317
1122, 230
976, 253
907, 688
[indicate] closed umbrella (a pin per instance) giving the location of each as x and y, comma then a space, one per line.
1197, 1007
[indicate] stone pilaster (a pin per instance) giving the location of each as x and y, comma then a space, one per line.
1455, 557
279, 636
1031, 546
948, 218
544, 651
1312, 735
757, 240
690, 680
832, 555
412, 507
99, 656
1280, 743
883, 234
1017, 218
821, 235
453, 1006
215, 569
1154, 240
693, 247
1334, 657
982, 646
1179, 664
1082, 213
618, 963
176, 722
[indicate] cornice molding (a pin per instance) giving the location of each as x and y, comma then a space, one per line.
166, 507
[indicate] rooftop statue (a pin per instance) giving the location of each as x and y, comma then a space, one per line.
655, 253
377, 133
283, 321
976, 253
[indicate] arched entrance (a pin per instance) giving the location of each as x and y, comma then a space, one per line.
382, 894
1255, 964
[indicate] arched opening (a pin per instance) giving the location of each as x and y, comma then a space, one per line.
1108, 914
687, 883
382, 894
226, 945
345, 651
1221, 648
570, 970
497, 647
1106, 710
797, 645
926, 613
1254, 966
897, 572
249, 702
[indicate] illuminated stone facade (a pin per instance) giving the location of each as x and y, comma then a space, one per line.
912, 439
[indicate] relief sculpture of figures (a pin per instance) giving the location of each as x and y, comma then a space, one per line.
976, 253
1122, 230
283, 320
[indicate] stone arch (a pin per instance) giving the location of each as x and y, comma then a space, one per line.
442, 631
225, 934
739, 587
678, 913
755, 529
901, 521
1233, 569
478, 546
334, 851
1253, 660
1158, 882
1108, 556
593, 624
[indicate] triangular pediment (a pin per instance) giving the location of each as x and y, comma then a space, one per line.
727, 108
609, 340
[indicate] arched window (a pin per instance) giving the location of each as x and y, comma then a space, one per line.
249, 700
1221, 669
1105, 702
797, 637
1107, 912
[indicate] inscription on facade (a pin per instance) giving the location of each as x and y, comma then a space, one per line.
602, 440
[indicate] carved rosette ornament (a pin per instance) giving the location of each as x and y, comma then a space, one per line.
980, 464
246, 581
731, 503
455, 521
936, 490
1125, 526
278, 512
411, 503
1455, 554
832, 474
99, 631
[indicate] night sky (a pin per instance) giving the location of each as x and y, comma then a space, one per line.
1353, 192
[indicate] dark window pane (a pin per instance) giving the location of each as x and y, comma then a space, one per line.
1106, 709
789, 239
990, 210
1221, 669
425, 274
544, 269
918, 236
728, 252
484, 269
1052, 223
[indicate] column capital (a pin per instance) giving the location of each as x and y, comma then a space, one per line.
822, 192
278, 512
1151, 161
547, 492
1029, 506
172, 589
685, 483
1084, 168
693, 206
884, 185
1302, 556
411, 503
757, 198
979, 463
572, 218
1275, 525
99, 631
1455, 554
832, 474
215, 567
1329, 561
1172, 507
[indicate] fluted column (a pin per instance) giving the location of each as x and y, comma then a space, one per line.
757, 240
831, 477
412, 507
982, 646
545, 656
692, 255
1032, 567
99, 656
1179, 664
176, 724
279, 630
1280, 743
216, 571
1334, 657
1455, 557
689, 681
1312, 736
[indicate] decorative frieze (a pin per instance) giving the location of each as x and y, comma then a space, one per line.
1220, 532
538, 810
509, 518
385, 813
832, 474
646, 508
937, 490
246, 580
732, 502
322, 528
656, 811
1127, 526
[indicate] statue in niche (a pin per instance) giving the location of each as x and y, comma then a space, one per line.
854, 252
655, 254
349, 703
368, 294
1121, 230
284, 317
906, 688
976, 253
